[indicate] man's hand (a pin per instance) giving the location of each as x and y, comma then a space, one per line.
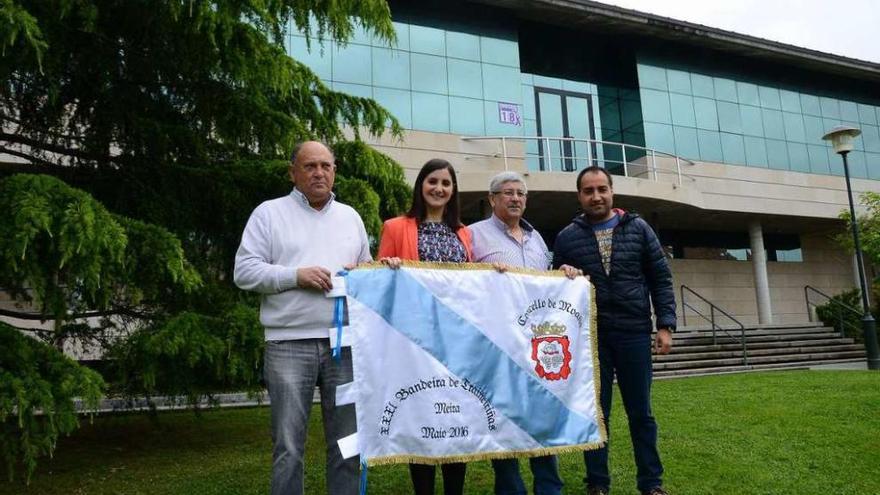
313, 277
392, 262
500, 267
663, 343
571, 272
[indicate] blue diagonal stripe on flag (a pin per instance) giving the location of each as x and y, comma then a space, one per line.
464, 350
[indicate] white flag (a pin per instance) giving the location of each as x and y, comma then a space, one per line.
462, 362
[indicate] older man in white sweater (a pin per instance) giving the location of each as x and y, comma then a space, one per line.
289, 250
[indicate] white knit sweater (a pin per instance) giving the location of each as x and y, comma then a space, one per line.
285, 234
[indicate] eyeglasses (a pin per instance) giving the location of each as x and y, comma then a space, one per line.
511, 193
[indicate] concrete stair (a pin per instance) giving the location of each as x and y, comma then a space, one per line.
769, 348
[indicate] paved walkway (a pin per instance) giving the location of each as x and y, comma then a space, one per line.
861, 365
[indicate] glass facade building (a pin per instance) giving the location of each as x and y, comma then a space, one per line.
579, 83
435, 79
734, 121
472, 82
557, 107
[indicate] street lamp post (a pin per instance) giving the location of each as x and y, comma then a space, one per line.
841, 138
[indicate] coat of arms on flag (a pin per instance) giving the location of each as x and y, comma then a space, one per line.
550, 351
460, 362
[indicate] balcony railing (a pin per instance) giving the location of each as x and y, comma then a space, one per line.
566, 154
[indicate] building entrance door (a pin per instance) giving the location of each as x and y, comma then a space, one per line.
563, 115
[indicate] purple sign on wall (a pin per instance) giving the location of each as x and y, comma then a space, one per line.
508, 113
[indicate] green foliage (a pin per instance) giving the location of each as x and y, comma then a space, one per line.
38, 385
58, 242
834, 313
192, 355
831, 313
333, 19
208, 206
358, 194
869, 228
357, 160
205, 207
173, 118
173, 81
65, 251
869, 237
19, 31
182, 113
155, 269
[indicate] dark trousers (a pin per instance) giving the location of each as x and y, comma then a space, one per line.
627, 355
423, 478
545, 471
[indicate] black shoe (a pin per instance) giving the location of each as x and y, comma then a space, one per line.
657, 490
597, 490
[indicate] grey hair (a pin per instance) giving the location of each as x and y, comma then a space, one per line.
508, 176
298, 147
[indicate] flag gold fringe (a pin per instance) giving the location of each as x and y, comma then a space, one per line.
437, 265
597, 378
510, 454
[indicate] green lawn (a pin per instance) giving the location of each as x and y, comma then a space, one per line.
802, 432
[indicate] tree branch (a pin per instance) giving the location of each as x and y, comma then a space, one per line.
8, 168
26, 125
54, 148
26, 156
21, 315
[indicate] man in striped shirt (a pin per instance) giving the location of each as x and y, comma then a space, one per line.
505, 238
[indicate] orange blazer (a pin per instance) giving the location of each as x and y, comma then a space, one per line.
400, 239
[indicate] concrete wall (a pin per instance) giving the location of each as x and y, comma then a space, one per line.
710, 186
731, 284
476, 155
765, 191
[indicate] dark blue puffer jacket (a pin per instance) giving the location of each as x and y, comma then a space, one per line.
639, 273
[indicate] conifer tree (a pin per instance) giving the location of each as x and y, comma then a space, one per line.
156, 126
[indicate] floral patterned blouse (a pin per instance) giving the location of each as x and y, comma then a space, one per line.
437, 242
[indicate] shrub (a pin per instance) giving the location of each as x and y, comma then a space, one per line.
831, 313
38, 385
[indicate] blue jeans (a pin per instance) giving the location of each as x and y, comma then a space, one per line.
292, 369
628, 355
544, 470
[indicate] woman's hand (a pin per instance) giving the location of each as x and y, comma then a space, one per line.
571, 272
391, 262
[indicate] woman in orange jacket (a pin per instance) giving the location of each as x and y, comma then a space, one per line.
430, 231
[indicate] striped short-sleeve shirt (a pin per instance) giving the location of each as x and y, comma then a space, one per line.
493, 243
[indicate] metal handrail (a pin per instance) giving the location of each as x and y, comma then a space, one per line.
711, 319
841, 306
544, 144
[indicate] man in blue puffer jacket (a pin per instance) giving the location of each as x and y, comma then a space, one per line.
621, 254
